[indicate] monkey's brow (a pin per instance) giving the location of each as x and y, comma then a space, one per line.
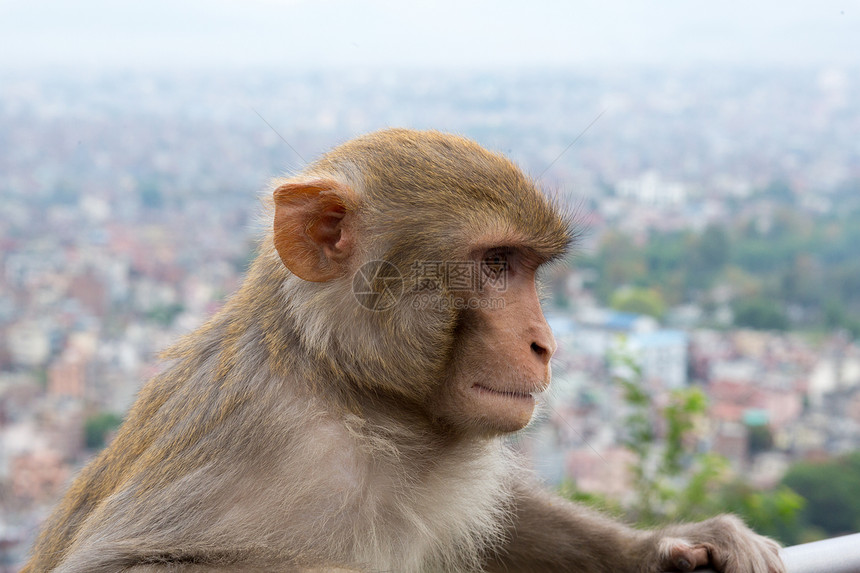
537, 257
554, 257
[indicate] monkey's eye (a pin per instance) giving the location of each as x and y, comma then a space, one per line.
496, 263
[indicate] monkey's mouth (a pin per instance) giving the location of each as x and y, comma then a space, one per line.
512, 394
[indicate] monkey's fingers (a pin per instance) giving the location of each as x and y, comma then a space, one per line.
757, 555
683, 557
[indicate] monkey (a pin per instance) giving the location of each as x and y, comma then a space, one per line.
346, 409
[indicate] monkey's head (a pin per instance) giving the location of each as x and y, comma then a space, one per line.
413, 260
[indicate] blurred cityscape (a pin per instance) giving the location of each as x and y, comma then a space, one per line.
720, 248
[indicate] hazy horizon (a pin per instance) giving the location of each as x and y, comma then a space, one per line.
302, 34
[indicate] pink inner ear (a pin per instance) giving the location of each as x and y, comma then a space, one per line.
325, 230
312, 233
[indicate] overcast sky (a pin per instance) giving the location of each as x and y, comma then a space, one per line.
447, 33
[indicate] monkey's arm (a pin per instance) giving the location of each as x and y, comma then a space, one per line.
549, 533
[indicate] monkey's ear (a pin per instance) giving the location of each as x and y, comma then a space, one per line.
313, 232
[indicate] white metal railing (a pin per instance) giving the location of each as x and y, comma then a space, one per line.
835, 555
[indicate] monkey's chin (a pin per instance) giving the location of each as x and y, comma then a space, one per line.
509, 410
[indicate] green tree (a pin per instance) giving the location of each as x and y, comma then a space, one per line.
165, 314
832, 490
619, 262
775, 513
97, 427
784, 257
639, 301
706, 256
760, 314
675, 482
759, 439
661, 462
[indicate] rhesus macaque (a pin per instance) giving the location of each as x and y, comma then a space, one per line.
345, 410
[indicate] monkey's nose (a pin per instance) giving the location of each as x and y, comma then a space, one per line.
543, 351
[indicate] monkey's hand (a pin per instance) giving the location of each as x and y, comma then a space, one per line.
723, 543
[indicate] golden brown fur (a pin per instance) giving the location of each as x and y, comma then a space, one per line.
298, 430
